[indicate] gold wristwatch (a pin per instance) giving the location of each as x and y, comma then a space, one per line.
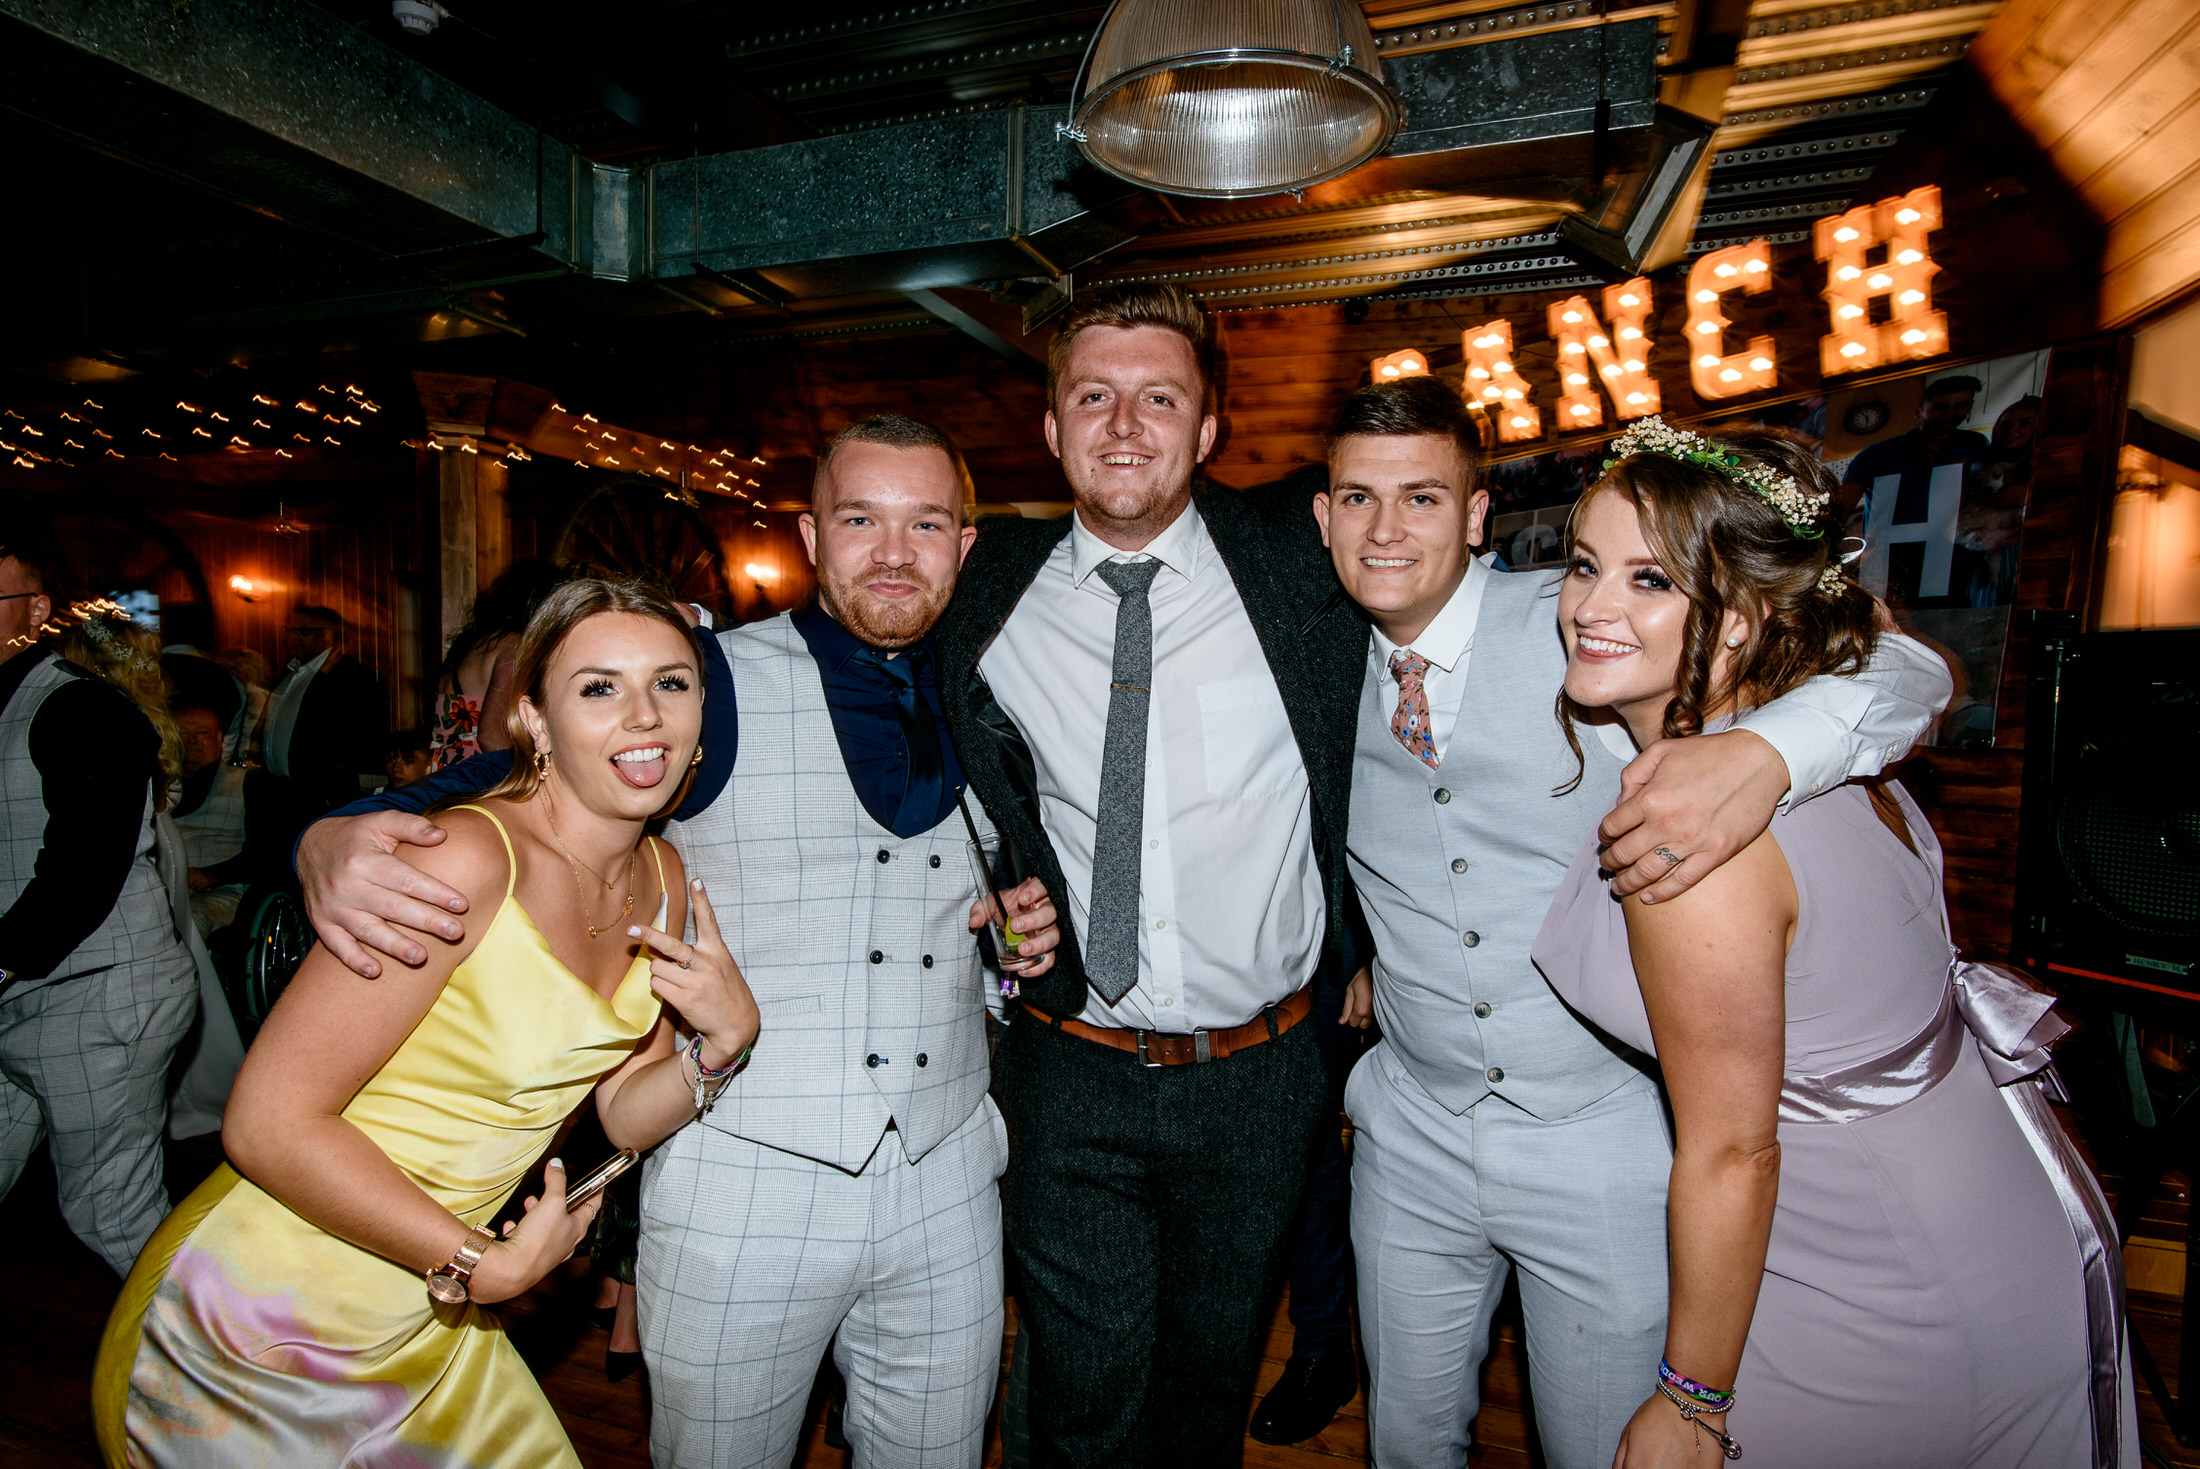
448, 1284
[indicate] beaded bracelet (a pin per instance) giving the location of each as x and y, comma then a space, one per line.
1710, 1399
705, 1095
1690, 1410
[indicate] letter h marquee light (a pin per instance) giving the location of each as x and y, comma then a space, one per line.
1912, 328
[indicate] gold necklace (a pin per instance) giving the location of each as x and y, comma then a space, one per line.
588, 904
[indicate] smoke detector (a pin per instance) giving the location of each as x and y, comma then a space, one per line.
417, 17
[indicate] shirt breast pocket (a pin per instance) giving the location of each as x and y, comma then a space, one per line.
1246, 739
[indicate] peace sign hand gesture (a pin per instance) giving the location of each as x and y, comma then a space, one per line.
703, 983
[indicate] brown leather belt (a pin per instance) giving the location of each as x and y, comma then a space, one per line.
1174, 1048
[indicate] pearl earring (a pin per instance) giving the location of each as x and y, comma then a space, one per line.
1734, 642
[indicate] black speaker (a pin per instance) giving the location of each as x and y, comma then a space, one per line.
2108, 851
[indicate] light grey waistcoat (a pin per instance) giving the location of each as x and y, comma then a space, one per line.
140, 925
1456, 867
855, 941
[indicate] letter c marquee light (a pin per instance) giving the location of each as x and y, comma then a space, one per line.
1712, 372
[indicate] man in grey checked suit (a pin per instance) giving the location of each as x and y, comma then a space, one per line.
1494, 1130
845, 1182
96, 988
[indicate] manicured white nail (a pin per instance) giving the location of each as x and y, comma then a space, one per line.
633, 933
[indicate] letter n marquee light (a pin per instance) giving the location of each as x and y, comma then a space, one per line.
1408, 363
1585, 353
1912, 328
1712, 372
1496, 385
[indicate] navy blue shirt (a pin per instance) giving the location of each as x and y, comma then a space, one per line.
867, 722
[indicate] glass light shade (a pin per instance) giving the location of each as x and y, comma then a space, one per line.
1228, 98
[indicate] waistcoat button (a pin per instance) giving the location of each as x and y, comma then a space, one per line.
1482, 1010
1443, 796
871, 1060
1459, 864
935, 859
877, 957
922, 1058
1495, 1073
928, 965
1470, 938
883, 856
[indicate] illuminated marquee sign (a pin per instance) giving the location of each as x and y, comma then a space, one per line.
1603, 358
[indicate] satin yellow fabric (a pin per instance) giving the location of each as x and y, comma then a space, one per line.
248, 1336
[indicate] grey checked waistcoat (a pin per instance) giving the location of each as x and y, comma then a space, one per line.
1456, 867
854, 940
140, 926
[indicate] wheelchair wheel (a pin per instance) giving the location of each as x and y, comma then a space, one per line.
276, 938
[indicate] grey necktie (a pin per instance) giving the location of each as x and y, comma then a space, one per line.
1111, 945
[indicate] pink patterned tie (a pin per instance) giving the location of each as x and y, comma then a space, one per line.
1410, 723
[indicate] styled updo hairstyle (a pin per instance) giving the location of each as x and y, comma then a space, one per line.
101, 639
1726, 546
554, 621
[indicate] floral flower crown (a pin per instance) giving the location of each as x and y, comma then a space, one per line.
1801, 509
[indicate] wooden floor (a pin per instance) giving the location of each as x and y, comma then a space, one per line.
54, 1297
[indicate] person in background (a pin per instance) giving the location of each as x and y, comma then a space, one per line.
325, 720
474, 686
1884, 1249
1905, 466
96, 987
212, 815
407, 757
195, 679
250, 671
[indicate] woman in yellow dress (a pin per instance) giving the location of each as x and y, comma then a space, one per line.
318, 1301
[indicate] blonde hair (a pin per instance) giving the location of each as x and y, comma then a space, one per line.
104, 641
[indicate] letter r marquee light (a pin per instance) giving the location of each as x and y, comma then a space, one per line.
1711, 371
1912, 328
1496, 385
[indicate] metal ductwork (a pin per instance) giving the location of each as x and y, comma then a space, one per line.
286, 109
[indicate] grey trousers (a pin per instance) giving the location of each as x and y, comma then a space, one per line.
84, 1064
1444, 1207
751, 1259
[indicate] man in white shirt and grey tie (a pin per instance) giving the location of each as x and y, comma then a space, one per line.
1494, 1131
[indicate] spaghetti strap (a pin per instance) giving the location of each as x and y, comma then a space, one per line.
511, 858
657, 854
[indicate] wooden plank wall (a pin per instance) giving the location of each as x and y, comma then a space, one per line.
2110, 89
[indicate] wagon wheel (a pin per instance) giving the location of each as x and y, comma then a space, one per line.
642, 527
111, 546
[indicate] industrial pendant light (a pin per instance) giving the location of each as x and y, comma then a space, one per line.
1228, 98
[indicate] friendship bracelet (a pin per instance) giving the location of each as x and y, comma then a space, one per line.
706, 1096
1710, 1399
1689, 1410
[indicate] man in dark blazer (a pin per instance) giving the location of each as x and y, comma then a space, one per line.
326, 719
1155, 701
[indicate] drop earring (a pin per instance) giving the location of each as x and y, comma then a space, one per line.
542, 765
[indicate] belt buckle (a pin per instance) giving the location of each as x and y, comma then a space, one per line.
1143, 1059
1200, 1047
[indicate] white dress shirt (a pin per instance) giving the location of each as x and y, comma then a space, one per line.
1230, 912
1830, 730
282, 711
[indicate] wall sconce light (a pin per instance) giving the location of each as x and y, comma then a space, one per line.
1711, 372
1407, 363
1496, 386
248, 589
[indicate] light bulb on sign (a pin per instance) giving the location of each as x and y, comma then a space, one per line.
1489, 353
1402, 364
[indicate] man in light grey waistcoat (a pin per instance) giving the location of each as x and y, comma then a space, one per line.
96, 988
1494, 1130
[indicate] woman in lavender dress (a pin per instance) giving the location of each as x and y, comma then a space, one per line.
1881, 1244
